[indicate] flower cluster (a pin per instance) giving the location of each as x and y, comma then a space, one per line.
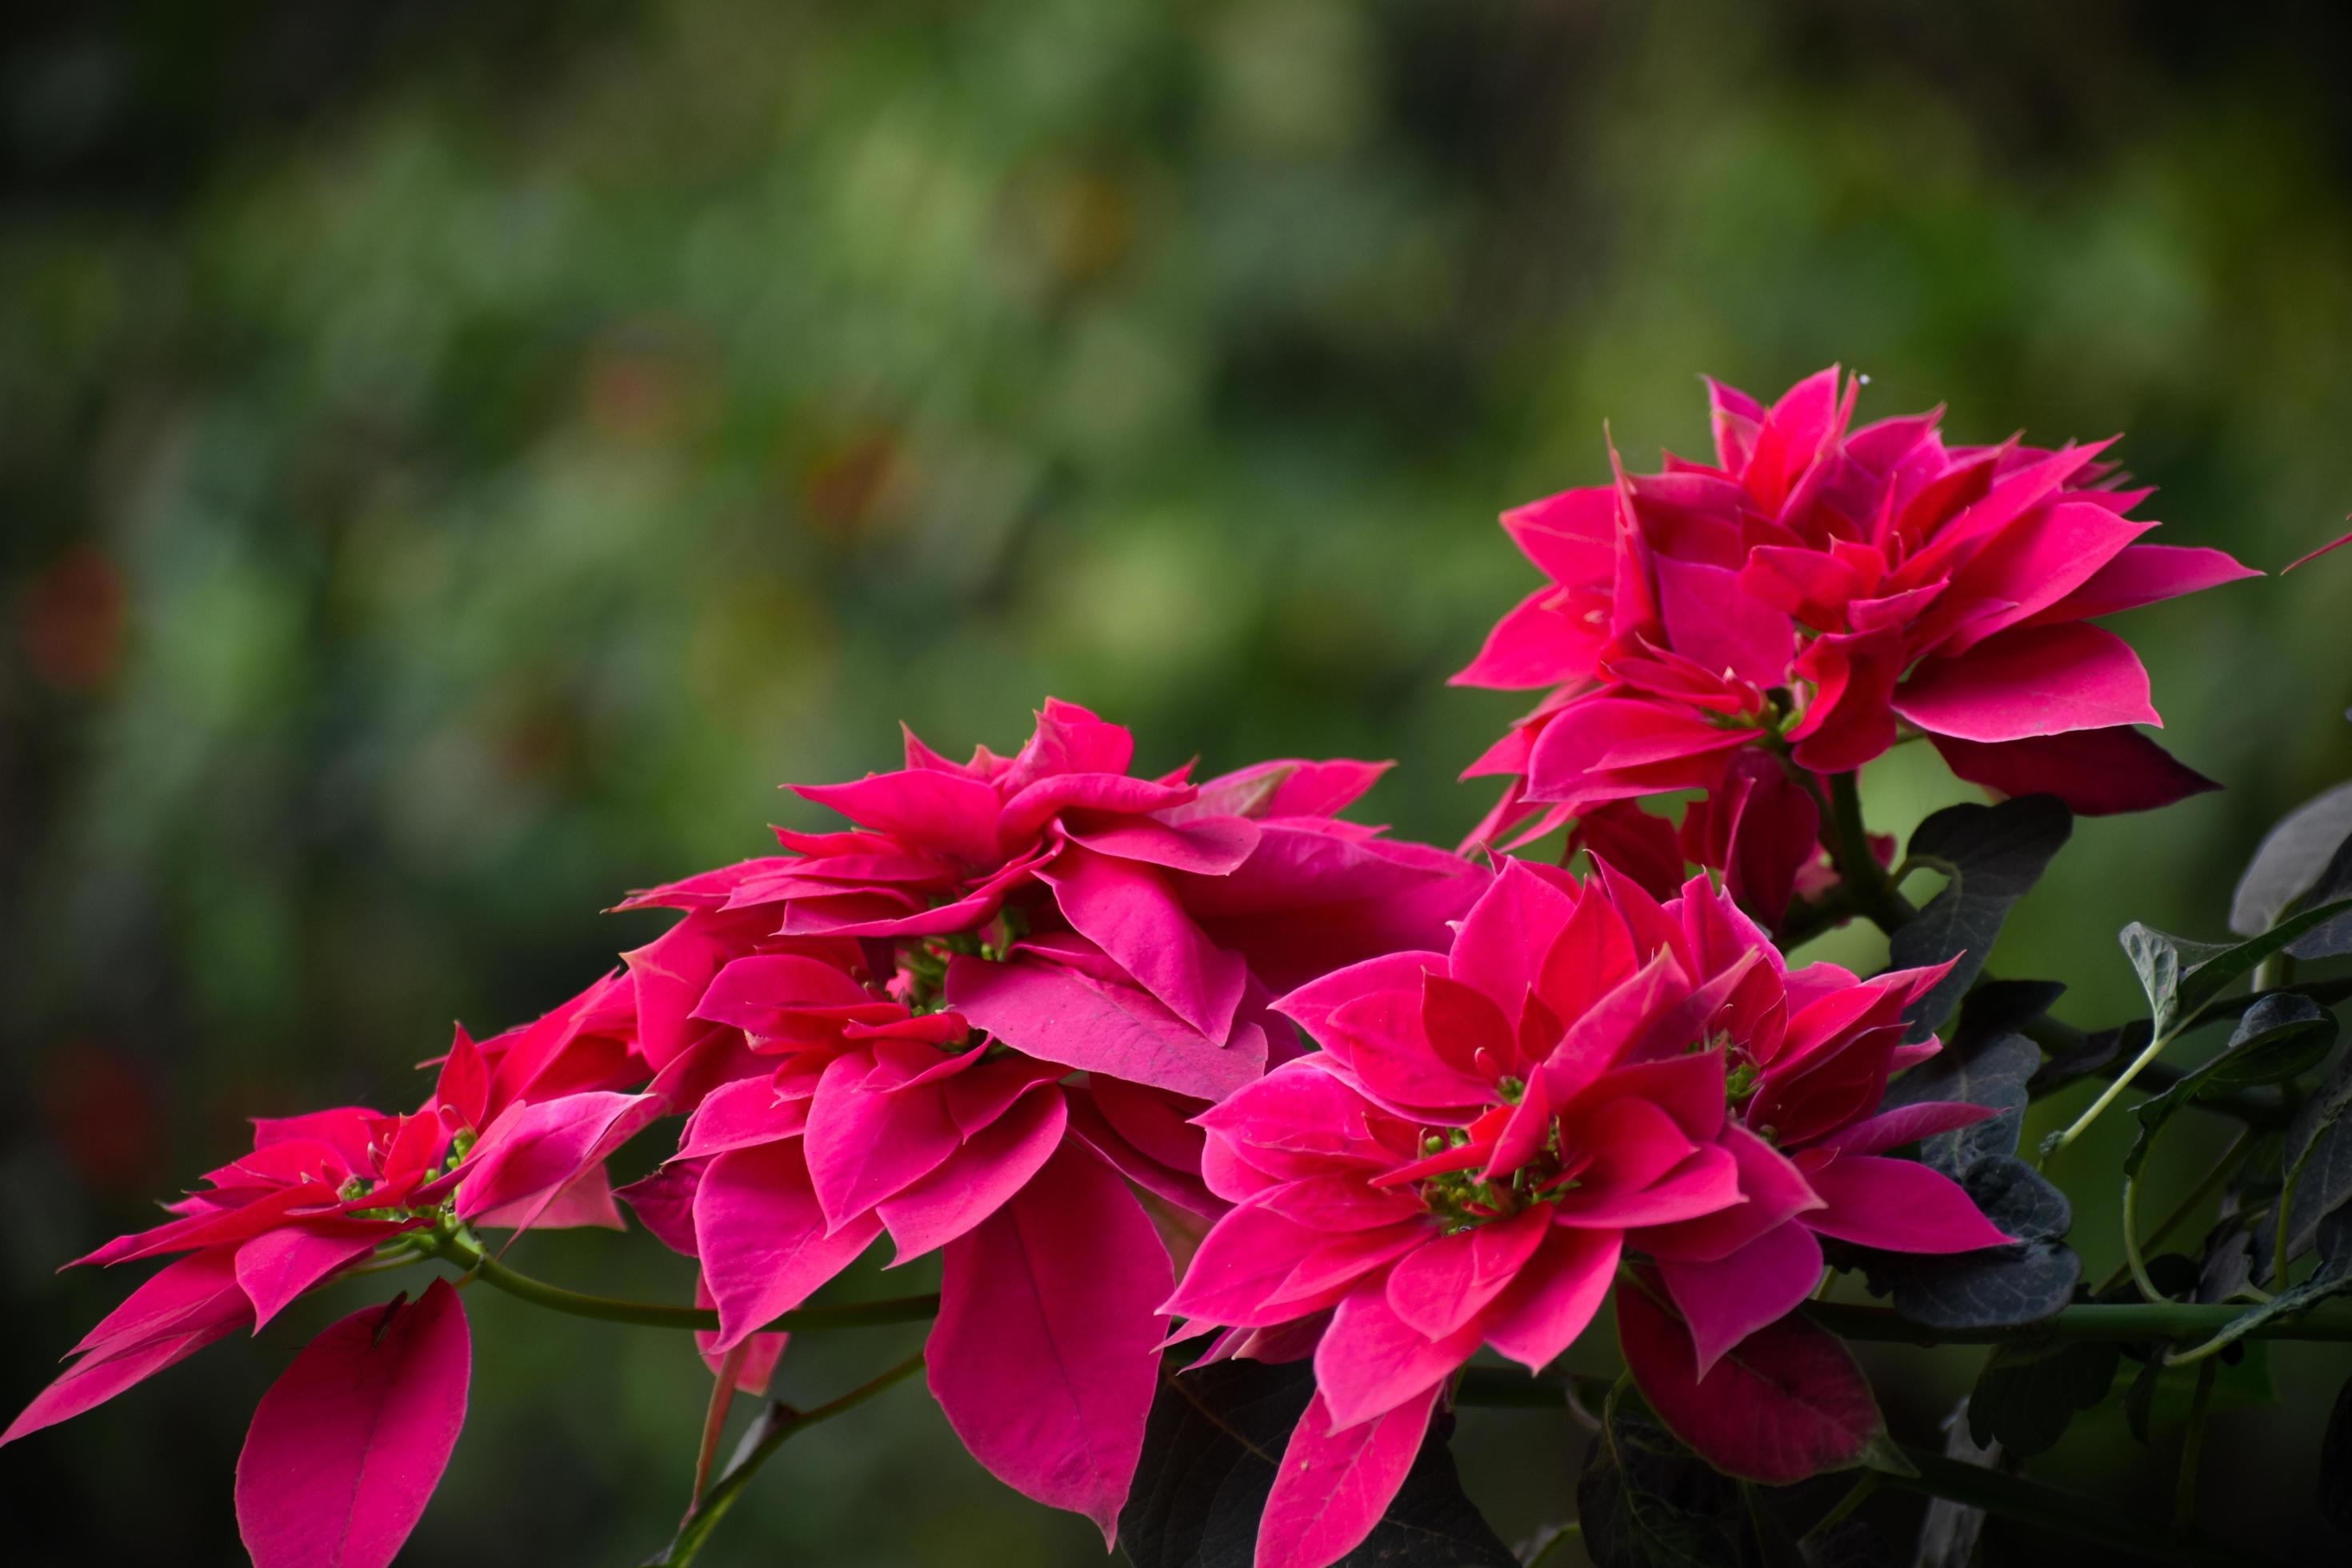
1144, 1060
979, 1021
1487, 1132
1824, 592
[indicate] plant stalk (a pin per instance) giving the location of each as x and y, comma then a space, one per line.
468, 1254
2086, 1320
776, 1427
1874, 892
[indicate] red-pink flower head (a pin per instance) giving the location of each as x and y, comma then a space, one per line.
1586, 1072
1129, 926
979, 1020
1832, 589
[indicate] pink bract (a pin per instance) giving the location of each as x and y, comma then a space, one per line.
980, 1022
1585, 1073
1830, 589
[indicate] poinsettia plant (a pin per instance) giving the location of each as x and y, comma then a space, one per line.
1255, 1146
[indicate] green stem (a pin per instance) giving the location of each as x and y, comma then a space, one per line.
2213, 1178
1805, 920
2192, 1446
2132, 1259
1874, 892
2262, 1109
2061, 1513
775, 1428
2283, 1234
469, 1254
2058, 1140
2088, 1320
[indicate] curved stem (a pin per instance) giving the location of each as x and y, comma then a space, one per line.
2213, 1178
775, 1428
2133, 1260
469, 1254
2058, 1140
2089, 1320
1874, 892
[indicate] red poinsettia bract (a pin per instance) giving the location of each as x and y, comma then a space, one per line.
1586, 1074
1830, 590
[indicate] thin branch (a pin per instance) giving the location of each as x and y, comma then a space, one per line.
464, 1251
2087, 1321
775, 1427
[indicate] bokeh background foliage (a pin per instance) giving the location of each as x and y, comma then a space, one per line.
455, 460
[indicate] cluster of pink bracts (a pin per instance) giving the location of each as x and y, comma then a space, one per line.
1058, 1023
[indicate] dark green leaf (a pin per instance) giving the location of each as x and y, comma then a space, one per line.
2319, 1140
2332, 936
2095, 1051
1993, 855
1991, 1072
1646, 1502
2182, 978
2333, 1276
1209, 1456
2279, 1038
2336, 1464
2290, 860
1998, 1286
2229, 1264
1985, 1063
2027, 1394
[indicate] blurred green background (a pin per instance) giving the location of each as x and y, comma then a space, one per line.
455, 460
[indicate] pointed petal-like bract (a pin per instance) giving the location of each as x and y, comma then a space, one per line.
349, 1443
1044, 1357
1786, 1403
762, 1238
1332, 1487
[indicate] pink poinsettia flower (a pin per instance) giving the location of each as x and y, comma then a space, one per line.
1115, 924
315, 1195
322, 1193
1584, 1074
1830, 590
980, 1023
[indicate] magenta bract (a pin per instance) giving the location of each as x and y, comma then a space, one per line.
1832, 588
1586, 1073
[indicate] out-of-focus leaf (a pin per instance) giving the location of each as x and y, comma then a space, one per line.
1646, 1502
1993, 855
1209, 1457
2027, 1395
2332, 936
2319, 1141
2290, 859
